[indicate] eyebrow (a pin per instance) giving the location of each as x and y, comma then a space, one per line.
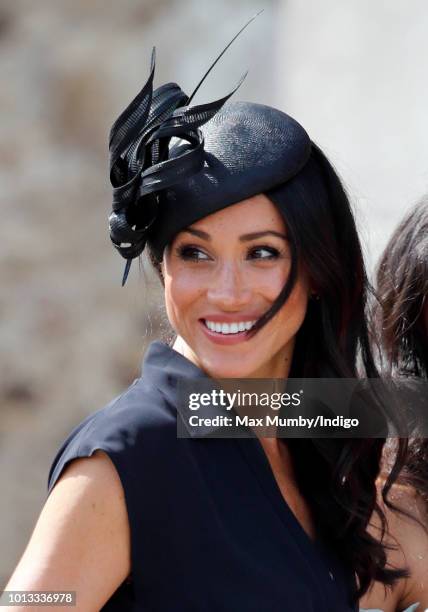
243, 238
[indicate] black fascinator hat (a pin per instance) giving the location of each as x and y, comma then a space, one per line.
172, 164
248, 149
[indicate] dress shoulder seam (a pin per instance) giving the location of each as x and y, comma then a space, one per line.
97, 414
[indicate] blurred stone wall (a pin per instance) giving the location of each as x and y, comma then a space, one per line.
355, 74
70, 337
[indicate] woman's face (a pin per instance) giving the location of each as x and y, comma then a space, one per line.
221, 274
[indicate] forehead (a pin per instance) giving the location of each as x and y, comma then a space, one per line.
253, 214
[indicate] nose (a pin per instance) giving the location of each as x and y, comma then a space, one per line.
228, 289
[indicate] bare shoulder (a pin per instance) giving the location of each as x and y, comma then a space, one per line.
407, 537
81, 540
411, 533
95, 473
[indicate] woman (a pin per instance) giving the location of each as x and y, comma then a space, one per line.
252, 235
402, 325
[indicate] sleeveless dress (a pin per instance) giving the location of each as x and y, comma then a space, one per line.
210, 530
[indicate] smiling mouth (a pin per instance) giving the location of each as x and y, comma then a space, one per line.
228, 329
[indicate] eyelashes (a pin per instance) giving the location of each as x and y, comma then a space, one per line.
262, 253
272, 252
190, 253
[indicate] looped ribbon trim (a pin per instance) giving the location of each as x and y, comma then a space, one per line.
139, 164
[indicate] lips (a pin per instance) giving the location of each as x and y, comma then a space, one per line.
225, 317
227, 329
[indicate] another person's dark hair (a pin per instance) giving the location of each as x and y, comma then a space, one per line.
336, 476
402, 287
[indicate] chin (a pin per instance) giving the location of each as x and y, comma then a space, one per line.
228, 368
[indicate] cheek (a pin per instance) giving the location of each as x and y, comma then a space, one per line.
293, 313
299, 304
181, 292
268, 282
273, 282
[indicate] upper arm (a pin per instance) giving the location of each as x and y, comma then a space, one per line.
414, 542
410, 541
81, 541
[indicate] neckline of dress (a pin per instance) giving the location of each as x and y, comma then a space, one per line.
171, 364
164, 365
317, 553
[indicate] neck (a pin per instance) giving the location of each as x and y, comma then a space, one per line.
278, 366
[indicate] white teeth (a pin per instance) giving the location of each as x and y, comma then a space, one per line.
229, 328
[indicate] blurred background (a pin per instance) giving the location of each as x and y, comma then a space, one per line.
354, 74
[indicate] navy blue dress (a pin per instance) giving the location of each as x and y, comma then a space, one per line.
210, 530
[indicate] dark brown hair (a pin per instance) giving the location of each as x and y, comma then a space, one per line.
402, 287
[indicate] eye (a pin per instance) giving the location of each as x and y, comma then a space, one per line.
191, 253
264, 252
